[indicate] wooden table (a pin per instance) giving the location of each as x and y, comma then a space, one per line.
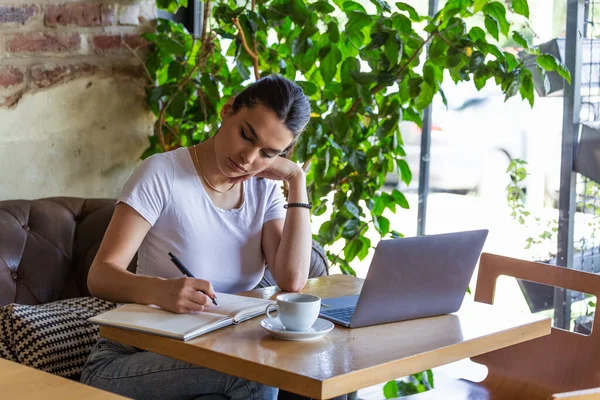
346, 359
20, 382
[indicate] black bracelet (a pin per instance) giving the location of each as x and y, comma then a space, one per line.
305, 205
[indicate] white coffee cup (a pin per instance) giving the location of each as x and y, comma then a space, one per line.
296, 311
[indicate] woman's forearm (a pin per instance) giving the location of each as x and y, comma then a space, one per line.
113, 283
294, 250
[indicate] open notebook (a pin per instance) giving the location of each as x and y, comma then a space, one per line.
232, 309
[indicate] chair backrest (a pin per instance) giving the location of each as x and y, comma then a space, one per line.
47, 247
560, 362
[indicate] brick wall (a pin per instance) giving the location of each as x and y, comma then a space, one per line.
74, 119
45, 43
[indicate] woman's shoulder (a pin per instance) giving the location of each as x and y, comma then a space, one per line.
164, 161
158, 166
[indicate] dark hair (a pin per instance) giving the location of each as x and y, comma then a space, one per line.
283, 97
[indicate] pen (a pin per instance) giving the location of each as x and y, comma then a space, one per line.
185, 271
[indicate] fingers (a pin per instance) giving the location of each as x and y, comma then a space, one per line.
199, 298
203, 286
185, 306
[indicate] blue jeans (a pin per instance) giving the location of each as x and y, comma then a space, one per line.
139, 374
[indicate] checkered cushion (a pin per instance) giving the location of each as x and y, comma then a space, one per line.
54, 337
5, 347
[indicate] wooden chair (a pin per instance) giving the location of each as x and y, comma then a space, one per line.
587, 394
560, 362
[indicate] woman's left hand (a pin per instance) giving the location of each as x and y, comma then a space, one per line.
281, 169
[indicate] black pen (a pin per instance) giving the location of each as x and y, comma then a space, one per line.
185, 271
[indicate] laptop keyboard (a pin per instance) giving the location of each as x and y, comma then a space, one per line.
342, 314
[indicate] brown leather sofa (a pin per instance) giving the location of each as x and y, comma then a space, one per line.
48, 245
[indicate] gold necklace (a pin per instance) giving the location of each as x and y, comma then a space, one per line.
204, 177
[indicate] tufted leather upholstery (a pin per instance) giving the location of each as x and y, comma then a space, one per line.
48, 245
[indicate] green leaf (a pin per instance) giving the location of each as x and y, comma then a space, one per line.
390, 390
358, 161
333, 31
478, 6
352, 249
176, 70
393, 49
412, 13
425, 96
322, 7
443, 95
356, 21
299, 13
511, 61
353, 6
398, 196
414, 87
454, 57
328, 231
396, 235
401, 23
491, 49
364, 251
382, 224
521, 7
178, 105
352, 208
476, 33
492, 26
351, 228
377, 39
308, 88
497, 11
243, 70
349, 66
476, 60
526, 89
520, 39
428, 74
405, 175
381, 5
430, 378
154, 94
563, 71
170, 45
171, 5
437, 48
407, 388
513, 83
410, 114
549, 63
224, 34
329, 63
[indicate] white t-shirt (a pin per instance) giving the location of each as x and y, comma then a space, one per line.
221, 246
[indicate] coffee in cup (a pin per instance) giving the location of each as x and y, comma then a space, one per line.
296, 311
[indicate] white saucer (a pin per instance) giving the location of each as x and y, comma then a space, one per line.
275, 328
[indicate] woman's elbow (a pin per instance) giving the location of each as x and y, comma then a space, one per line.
92, 282
293, 285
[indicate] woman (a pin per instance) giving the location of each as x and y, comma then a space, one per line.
206, 205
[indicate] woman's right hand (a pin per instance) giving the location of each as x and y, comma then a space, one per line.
184, 295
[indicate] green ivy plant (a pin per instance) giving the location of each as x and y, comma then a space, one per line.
365, 68
515, 195
416, 383
364, 72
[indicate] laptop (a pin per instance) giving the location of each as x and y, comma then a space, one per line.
411, 278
